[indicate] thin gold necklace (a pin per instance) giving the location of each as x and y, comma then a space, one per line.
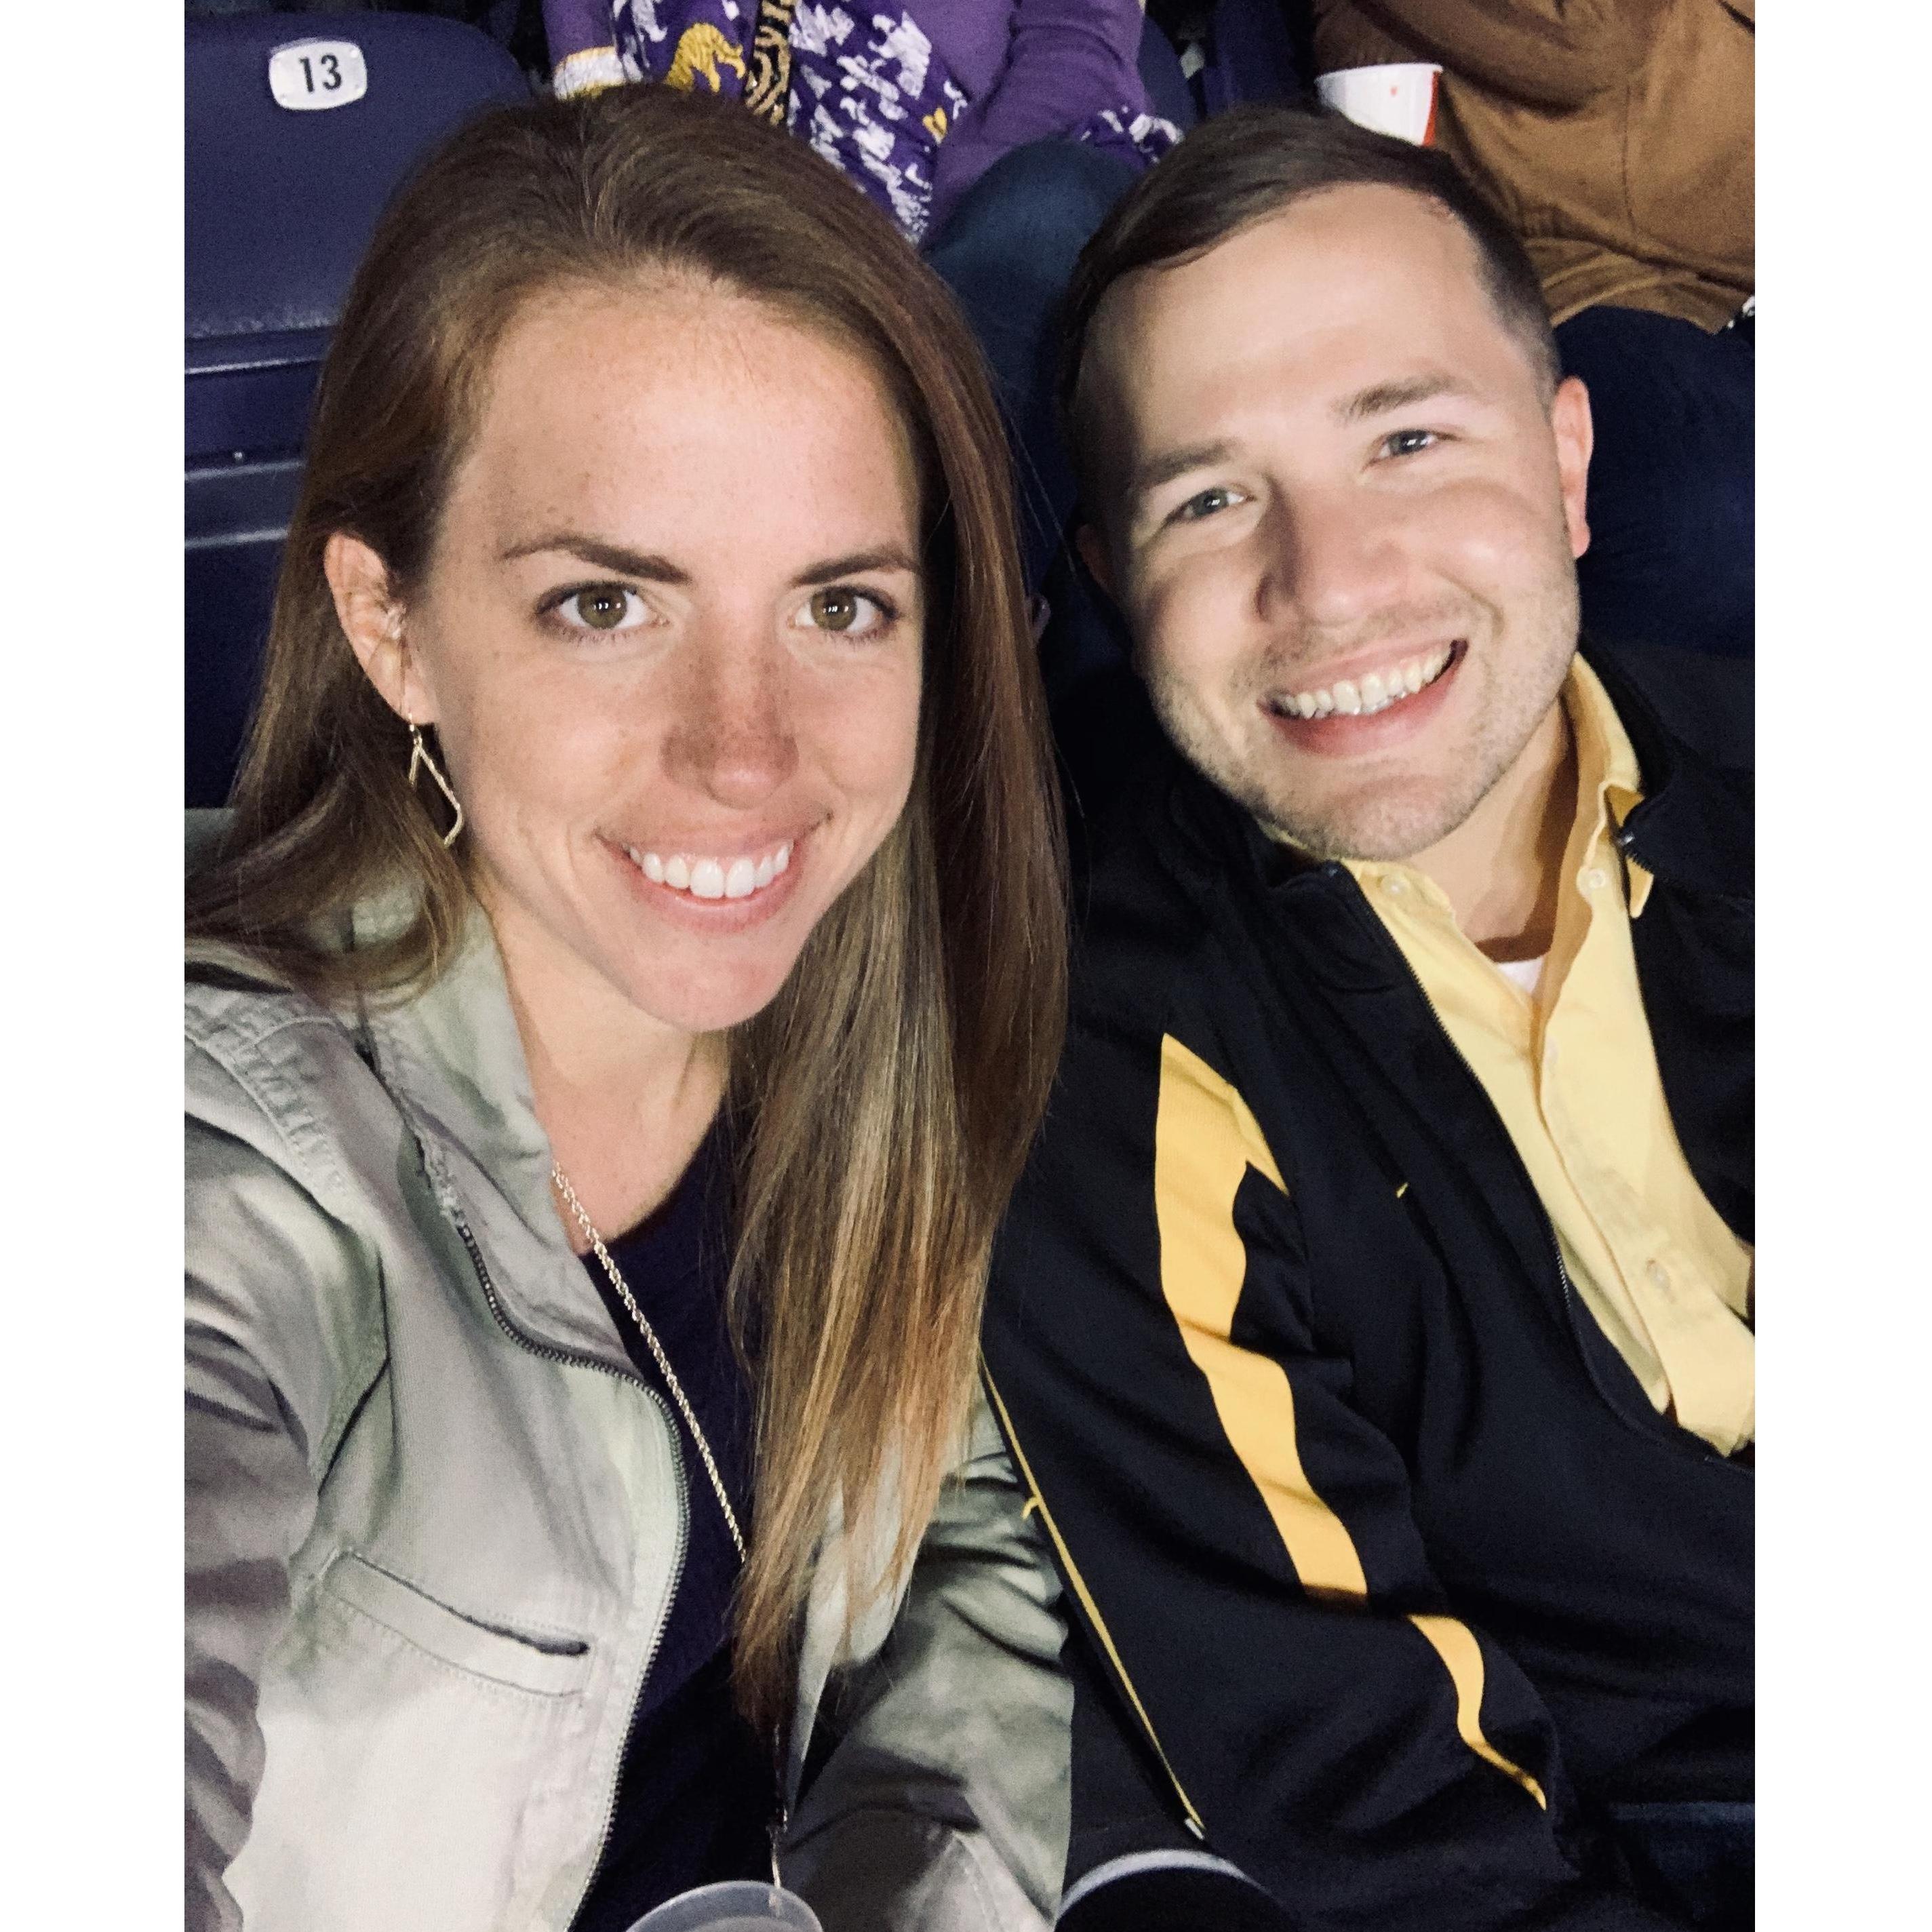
658, 1355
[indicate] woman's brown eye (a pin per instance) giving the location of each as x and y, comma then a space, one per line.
601, 610
834, 610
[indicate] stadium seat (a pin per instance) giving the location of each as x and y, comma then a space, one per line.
1161, 75
1235, 50
299, 127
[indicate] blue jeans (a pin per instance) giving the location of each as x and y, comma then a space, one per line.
1006, 252
1672, 499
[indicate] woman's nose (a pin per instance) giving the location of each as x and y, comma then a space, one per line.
733, 738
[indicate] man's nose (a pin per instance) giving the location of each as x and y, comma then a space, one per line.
1334, 559
733, 736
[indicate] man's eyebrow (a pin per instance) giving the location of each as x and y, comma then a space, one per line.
615, 558
1382, 397
1164, 468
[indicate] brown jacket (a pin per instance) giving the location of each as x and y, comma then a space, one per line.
1616, 134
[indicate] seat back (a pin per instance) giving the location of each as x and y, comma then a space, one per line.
1252, 55
300, 126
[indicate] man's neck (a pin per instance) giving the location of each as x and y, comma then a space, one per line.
1502, 868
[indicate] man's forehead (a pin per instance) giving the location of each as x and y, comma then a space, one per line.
1364, 270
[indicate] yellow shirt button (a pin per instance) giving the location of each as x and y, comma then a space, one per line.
1396, 886
1660, 1275
1593, 879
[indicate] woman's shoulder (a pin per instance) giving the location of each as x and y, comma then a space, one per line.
277, 1099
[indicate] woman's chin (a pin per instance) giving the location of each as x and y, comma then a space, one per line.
712, 996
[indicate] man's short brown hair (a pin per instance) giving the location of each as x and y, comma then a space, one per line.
1241, 168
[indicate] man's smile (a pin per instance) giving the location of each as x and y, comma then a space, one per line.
1374, 711
1371, 691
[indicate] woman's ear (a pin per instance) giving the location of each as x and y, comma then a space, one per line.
372, 620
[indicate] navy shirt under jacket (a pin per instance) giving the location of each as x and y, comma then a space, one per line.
696, 1791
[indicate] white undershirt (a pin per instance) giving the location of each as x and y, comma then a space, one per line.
1524, 972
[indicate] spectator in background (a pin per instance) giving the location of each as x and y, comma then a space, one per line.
1618, 138
996, 133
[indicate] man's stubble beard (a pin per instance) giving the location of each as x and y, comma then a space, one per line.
1396, 823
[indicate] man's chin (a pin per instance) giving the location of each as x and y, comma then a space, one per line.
1392, 817
1384, 830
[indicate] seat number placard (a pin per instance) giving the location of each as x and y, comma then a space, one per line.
318, 73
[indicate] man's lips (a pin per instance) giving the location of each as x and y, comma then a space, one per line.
1339, 734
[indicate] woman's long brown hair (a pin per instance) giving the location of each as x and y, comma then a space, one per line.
889, 1093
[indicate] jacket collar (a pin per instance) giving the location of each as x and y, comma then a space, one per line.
452, 1058
1694, 829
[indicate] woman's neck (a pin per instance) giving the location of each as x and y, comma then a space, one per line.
625, 1099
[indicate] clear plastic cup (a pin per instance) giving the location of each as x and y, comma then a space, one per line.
739, 1905
1397, 99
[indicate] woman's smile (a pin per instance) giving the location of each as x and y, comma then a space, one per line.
723, 892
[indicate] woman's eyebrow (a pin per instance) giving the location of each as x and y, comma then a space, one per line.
611, 557
887, 557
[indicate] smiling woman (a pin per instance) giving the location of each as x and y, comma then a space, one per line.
620, 995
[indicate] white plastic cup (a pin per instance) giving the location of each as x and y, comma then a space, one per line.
1397, 99
739, 1905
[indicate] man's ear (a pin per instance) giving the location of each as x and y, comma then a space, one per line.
1092, 548
372, 620
1569, 420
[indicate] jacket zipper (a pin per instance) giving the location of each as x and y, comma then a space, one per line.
575, 1358
1190, 1817
1705, 1453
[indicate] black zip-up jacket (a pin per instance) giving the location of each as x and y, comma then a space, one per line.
1389, 1570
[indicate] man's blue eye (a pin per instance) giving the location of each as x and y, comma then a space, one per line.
1408, 441
1206, 504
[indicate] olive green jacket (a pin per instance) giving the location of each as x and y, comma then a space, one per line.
435, 1522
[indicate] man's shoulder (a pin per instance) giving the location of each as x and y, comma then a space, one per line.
1708, 704
1143, 929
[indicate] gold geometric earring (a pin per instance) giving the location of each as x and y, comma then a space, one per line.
419, 756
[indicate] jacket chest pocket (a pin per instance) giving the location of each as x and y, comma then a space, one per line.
547, 1664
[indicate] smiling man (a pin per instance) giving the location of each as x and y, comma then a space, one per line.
1373, 1327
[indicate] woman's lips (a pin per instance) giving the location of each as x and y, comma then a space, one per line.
694, 903
706, 877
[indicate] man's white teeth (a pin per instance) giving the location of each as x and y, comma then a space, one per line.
1375, 692
713, 878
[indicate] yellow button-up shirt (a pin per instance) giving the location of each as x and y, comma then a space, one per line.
1571, 1071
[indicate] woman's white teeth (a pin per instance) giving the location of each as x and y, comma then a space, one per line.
1375, 692
713, 878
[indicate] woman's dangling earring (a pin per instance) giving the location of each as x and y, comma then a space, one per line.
419, 755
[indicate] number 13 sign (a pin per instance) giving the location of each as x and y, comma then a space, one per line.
318, 73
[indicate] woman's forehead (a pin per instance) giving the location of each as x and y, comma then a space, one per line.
694, 410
